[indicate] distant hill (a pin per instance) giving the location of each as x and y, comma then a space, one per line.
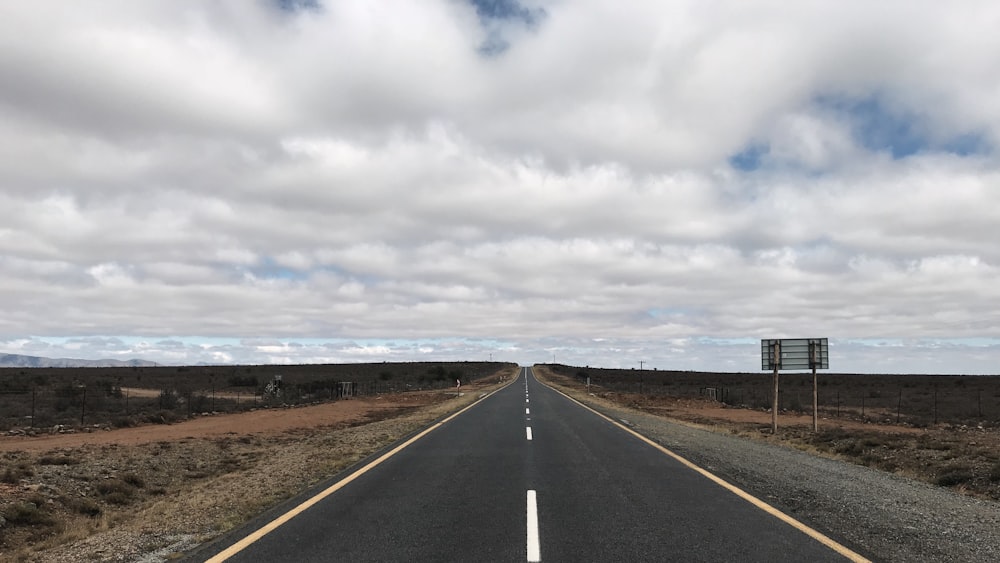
20, 361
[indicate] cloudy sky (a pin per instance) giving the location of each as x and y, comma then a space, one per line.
271, 181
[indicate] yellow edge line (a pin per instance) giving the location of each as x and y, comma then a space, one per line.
274, 524
815, 534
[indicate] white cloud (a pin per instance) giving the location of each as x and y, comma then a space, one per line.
652, 180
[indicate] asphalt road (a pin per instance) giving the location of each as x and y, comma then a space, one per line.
527, 474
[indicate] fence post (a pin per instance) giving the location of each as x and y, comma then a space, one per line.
899, 404
935, 404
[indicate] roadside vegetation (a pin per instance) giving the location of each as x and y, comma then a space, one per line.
948, 445
40, 400
110, 500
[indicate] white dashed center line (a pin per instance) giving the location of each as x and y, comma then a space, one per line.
534, 549
528, 432
527, 411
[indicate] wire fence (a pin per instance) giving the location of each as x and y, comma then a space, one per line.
888, 399
106, 404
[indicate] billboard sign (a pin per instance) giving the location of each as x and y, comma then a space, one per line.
795, 353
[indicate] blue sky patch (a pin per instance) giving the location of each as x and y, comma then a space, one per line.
510, 10
297, 5
662, 312
493, 13
967, 145
750, 158
494, 44
880, 126
270, 269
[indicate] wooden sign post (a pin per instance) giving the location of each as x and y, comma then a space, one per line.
776, 353
813, 355
795, 354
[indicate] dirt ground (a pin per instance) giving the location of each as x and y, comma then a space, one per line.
262, 421
152, 492
965, 458
710, 412
279, 420
155, 491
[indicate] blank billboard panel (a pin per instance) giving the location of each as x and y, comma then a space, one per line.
796, 353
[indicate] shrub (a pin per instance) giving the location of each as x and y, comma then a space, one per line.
134, 480
168, 399
437, 373
14, 473
240, 381
10, 475
162, 417
123, 422
27, 514
82, 505
57, 460
871, 442
68, 390
229, 463
116, 491
849, 448
954, 476
118, 498
995, 473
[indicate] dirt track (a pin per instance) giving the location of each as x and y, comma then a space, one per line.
180, 484
709, 412
262, 421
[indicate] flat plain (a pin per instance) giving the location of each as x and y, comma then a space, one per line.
150, 475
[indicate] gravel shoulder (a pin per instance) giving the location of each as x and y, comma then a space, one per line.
882, 516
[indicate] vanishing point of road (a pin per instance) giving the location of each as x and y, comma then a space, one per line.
527, 474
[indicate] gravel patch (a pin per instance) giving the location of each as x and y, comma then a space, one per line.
882, 516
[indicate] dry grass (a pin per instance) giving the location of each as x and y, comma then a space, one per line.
35, 400
58, 459
13, 473
194, 487
964, 458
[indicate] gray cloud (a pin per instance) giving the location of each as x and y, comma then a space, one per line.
352, 181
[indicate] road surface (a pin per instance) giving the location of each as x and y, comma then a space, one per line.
526, 474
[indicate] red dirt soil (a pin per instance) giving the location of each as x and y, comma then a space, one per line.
262, 421
707, 412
